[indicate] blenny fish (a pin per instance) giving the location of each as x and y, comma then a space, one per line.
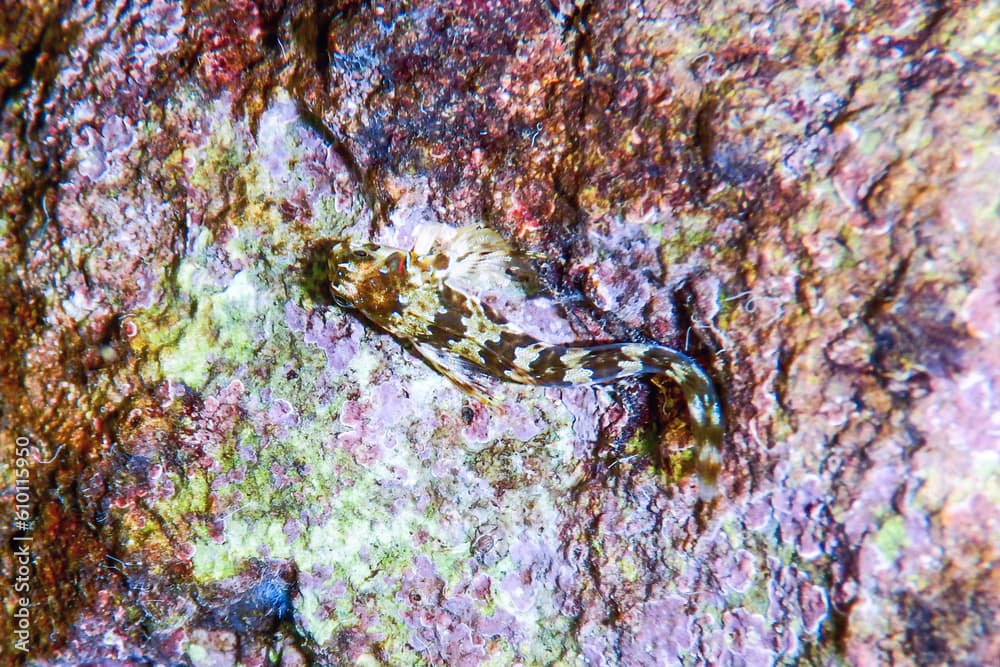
430, 303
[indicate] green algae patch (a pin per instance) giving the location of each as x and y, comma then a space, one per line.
367, 536
198, 655
188, 360
686, 235
891, 538
217, 308
242, 540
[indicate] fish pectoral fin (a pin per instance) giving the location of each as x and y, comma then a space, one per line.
460, 372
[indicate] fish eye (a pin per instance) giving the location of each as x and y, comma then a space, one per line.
360, 253
342, 302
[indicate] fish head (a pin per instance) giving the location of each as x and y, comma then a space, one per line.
367, 277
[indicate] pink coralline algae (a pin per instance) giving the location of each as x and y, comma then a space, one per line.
365, 442
446, 625
336, 337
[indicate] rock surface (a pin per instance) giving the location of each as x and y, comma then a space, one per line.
224, 468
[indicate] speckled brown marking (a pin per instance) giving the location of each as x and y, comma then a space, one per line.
420, 299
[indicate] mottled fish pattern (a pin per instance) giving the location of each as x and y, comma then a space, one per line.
429, 303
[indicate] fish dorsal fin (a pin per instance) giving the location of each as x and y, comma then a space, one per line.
482, 259
473, 239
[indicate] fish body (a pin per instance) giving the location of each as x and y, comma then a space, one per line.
429, 303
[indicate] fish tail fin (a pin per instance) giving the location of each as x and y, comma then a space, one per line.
705, 411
